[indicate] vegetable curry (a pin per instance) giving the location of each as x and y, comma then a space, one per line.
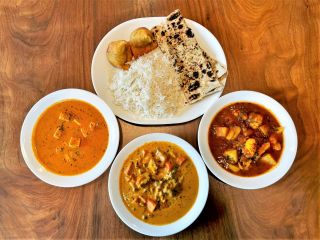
246, 139
70, 137
159, 183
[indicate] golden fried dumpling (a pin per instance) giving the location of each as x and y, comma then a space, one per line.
119, 53
141, 37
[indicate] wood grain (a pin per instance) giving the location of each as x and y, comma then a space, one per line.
271, 46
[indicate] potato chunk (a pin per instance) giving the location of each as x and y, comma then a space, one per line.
221, 131
267, 158
231, 155
233, 133
255, 120
264, 129
249, 148
233, 168
74, 142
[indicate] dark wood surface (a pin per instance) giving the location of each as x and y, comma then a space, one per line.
272, 46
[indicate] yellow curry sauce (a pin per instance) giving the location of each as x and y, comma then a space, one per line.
70, 137
159, 183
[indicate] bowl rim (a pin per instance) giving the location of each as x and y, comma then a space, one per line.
146, 228
290, 140
31, 119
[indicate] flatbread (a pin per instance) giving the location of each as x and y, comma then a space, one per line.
200, 74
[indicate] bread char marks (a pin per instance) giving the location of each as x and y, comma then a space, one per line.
176, 39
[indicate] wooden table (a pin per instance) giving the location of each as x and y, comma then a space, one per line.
271, 46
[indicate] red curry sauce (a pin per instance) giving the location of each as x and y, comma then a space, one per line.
246, 139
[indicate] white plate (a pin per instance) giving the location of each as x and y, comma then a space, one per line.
288, 153
135, 223
102, 70
32, 117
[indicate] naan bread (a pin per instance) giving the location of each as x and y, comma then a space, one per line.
200, 74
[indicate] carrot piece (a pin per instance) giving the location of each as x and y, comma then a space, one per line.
180, 160
168, 166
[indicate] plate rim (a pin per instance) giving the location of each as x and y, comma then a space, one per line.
32, 117
146, 121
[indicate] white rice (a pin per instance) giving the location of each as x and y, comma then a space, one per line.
150, 88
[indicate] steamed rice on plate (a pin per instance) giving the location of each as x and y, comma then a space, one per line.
149, 88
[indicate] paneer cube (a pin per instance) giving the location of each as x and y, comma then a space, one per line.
84, 132
231, 155
267, 158
233, 133
264, 147
64, 116
255, 120
180, 160
264, 129
160, 155
151, 205
92, 126
221, 131
58, 133
77, 122
233, 168
249, 148
67, 157
74, 142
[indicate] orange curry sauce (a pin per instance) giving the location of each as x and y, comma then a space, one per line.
70, 137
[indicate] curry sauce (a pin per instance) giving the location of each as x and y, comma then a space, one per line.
246, 139
70, 137
159, 183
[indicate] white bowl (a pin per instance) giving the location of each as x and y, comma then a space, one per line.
139, 225
288, 152
32, 117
